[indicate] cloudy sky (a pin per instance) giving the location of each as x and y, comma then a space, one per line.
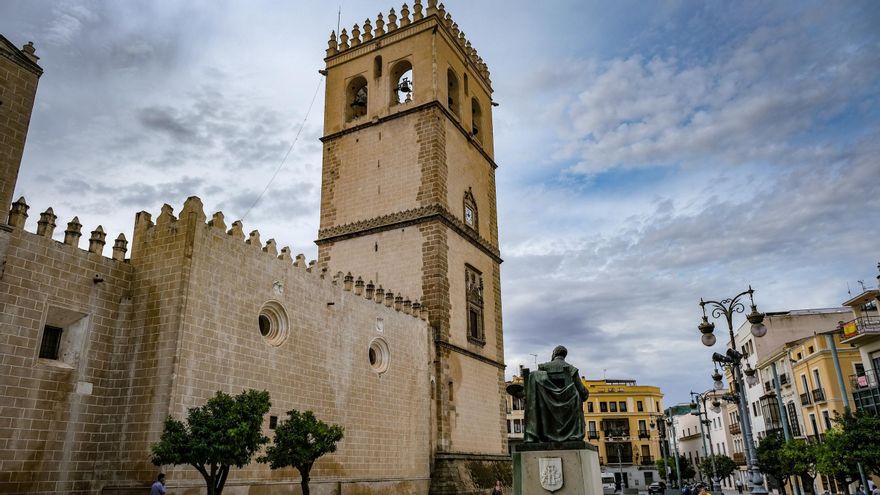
650, 153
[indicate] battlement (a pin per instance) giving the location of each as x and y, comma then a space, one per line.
146, 231
18, 215
376, 32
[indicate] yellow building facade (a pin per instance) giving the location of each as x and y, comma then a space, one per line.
816, 383
621, 420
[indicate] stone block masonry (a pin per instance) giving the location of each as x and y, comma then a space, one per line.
164, 330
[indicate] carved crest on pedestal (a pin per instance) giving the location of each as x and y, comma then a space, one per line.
550, 469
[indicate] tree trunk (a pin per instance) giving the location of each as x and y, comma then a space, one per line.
305, 484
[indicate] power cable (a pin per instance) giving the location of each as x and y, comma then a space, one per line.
295, 139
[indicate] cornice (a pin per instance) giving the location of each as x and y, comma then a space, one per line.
407, 218
471, 354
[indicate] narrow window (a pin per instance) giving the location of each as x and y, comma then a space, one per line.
476, 119
612, 406
622, 406
590, 406
51, 342
377, 67
273, 422
452, 96
466, 92
640, 406
356, 98
603, 407
474, 300
401, 82
450, 392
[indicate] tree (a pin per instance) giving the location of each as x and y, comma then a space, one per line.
833, 458
858, 440
300, 441
802, 456
724, 466
687, 469
771, 461
226, 431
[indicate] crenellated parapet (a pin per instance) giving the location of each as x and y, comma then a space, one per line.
377, 31
18, 215
146, 232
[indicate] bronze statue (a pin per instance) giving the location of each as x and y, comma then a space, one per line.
554, 396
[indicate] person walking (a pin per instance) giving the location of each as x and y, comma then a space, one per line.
876, 490
499, 488
158, 487
739, 486
860, 490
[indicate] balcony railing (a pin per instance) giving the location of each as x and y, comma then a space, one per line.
734, 429
866, 380
805, 399
818, 395
646, 460
623, 459
860, 326
739, 458
644, 434
592, 435
618, 432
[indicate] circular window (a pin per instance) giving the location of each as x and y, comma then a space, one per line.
273, 323
379, 355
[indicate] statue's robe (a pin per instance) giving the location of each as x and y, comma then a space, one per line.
554, 405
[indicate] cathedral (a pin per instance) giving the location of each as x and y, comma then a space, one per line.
394, 332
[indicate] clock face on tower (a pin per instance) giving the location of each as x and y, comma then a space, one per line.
469, 215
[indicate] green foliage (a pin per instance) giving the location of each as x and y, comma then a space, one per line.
687, 469
770, 458
724, 466
299, 441
855, 438
802, 456
226, 431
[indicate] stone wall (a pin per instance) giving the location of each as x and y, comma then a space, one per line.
163, 331
53, 412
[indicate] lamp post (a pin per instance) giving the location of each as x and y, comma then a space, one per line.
696, 401
732, 360
658, 423
671, 423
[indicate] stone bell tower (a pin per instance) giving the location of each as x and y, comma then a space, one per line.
408, 199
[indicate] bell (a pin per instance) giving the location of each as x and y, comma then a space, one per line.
360, 98
405, 85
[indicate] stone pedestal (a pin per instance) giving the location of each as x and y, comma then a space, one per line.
578, 462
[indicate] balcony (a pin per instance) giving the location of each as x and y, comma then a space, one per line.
869, 379
739, 458
805, 399
783, 379
646, 460
644, 434
622, 459
592, 435
861, 328
818, 395
866, 391
618, 432
734, 429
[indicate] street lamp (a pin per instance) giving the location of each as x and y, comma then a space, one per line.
732, 360
658, 423
696, 401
